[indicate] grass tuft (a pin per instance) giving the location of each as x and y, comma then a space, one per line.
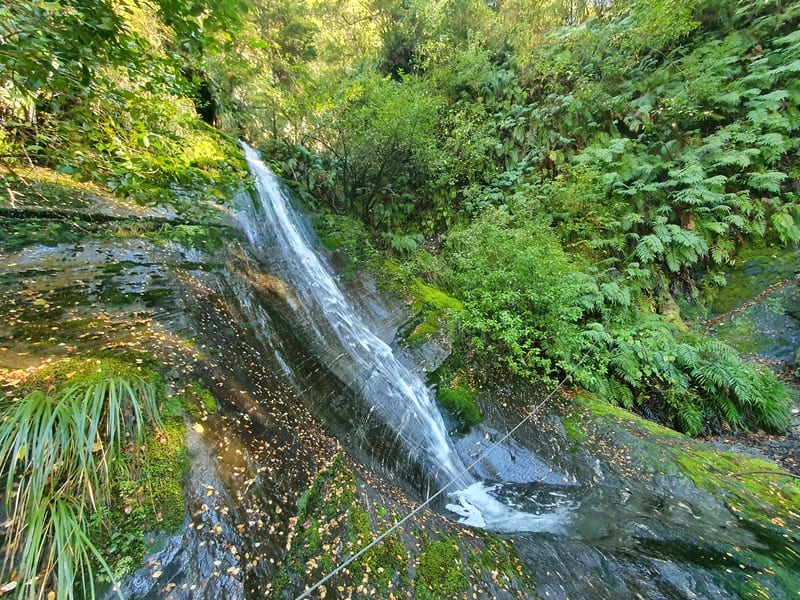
57, 449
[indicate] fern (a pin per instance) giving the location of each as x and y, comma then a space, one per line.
615, 294
620, 393
626, 364
689, 175
686, 411
648, 248
769, 181
785, 226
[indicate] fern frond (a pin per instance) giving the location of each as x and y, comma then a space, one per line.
769, 181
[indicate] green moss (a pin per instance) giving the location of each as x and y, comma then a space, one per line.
440, 571
385, 564
755, 270
196, 399
154, 296
19, 233
499, 556
146, 500
765, 500
754, 487
740, 333
206, 238
460, 402
574, 430
431, 307
331, 494
603, 409
427, 296
332, 524
166, 464
111, 296
456, 395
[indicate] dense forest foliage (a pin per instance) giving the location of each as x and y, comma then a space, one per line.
573, 172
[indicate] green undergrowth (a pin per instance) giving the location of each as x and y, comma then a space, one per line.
762, 497
46, 188
347, 237
96, 457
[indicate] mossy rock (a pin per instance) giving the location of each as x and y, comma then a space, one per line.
332, 523
441, 571
762, 497
455, 393
460, 403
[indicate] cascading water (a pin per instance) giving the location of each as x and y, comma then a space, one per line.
350, 350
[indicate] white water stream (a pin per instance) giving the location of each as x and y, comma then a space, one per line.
397, 396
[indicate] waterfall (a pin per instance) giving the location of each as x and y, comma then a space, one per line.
398, 395
347, 346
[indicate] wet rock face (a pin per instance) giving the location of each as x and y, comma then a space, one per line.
234, 529
758, 311
582, 570
249, 463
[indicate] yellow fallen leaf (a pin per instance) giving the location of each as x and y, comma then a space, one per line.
198, 428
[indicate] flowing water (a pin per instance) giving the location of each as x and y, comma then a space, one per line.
397, 400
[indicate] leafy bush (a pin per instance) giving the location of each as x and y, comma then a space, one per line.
528, 305
92, 90
524, 300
